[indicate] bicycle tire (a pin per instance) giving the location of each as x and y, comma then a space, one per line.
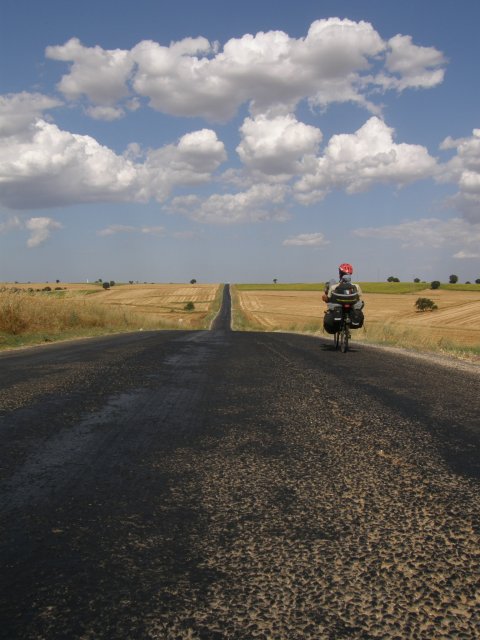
336, 339
344, 336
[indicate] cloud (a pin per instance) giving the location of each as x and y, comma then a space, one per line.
430, 232
121, 228
260, 203
190, 162
51, 167
10, 224
44, 166
411, 66
466, 255
307, 240
464, 170
278, 144
357, 161
40, 230
196, 78
105, 113
95, 72
19, 110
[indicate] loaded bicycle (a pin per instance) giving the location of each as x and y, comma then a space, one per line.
343, 335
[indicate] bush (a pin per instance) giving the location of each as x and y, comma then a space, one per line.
453, 279
435, 284
189, 306
425, 304
106, 285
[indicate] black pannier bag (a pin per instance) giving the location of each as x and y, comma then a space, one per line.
331, 321
356, 318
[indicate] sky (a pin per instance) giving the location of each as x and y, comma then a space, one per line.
160, 141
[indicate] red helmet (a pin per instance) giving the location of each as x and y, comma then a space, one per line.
346, 268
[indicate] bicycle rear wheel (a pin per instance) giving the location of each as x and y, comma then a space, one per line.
336, 339
344, 337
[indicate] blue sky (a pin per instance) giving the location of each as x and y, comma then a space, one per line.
239, 142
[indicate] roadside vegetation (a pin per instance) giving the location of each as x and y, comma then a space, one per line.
30, 318
416, 339
31, 315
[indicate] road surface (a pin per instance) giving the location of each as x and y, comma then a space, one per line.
223, 485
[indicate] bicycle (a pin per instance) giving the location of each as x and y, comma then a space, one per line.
343, 335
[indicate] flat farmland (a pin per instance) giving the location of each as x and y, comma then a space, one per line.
44, 312
389, 317
163, 301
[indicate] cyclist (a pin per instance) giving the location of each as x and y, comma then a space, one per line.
333, 291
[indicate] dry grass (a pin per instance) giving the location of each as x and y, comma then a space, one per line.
29, 315
389, 318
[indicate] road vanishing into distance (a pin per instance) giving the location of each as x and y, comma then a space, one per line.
227, 485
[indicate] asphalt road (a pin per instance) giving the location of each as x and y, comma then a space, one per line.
223, 485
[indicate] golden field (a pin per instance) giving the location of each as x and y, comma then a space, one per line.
29, 313
162, 301
389, 318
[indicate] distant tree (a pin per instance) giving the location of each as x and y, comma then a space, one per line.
416, 279
477, 281
393, 279
57, 281
275, 281
106, 285
453, 279
130, 282
189, 306
193, 281
112, 283
467, 282
425, 304
435, 284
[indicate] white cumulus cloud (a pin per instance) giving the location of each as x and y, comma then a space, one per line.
259, 203
410, 65
464, 170
44, 166
97, 73
19, 110
277, 145
357, 161
334, 62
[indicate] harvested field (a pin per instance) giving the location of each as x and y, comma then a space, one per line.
32, 312
163, 301
389, 318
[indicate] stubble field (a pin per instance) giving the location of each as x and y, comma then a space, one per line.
389, 318
34, 312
